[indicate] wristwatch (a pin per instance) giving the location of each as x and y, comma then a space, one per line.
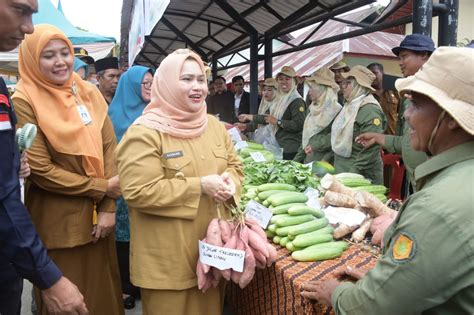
279, 122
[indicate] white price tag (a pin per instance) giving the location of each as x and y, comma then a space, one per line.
313, 195
234, 134
259, 213
257, 156
240, 145
220, 257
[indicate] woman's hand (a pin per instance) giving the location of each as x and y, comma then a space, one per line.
269, 119
211, 184
308, 150
105, 225
245, 117
113, 188
320, 290
223, 195
24, 166
370, 138
240, 126
356, 273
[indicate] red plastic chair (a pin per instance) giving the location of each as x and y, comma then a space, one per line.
398, 172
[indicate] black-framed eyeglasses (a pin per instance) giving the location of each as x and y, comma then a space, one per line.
147, 84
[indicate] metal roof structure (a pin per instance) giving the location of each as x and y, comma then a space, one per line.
305, 62
216, 28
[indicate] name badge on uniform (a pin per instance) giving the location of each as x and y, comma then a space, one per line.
173, 155
5, 123
84, 114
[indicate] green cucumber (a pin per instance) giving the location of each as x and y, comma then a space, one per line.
293, 220
317, 254
276, 239
282, 231
272, 228
338, 244
276, 186
291, 247
284, 208
307, 227
283, 241
298, 210
270, 234
311, 238
267, 193
275, 217
281, 199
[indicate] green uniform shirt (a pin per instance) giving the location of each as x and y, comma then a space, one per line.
401, 145
320, 143
427, 266
366, 162
290, 132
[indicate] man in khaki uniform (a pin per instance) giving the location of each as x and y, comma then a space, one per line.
427, 265
412, 53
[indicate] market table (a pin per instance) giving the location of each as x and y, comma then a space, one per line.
276, 290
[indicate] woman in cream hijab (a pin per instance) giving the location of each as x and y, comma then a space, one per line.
73, 183
316, 142
178, 171
288, 113
361, 113
249, 122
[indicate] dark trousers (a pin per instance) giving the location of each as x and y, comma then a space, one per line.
11, 286
123, 256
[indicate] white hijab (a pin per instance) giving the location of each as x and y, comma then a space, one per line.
321, 112
283, 100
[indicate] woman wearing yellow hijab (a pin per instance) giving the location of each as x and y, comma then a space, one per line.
73, 182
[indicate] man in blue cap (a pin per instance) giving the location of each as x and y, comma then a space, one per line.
413, 52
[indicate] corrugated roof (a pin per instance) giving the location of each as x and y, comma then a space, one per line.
309, 60
208, 29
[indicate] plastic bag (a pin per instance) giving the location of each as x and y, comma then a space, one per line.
264, 135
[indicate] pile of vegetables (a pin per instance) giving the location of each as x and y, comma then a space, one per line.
358, 183
301, 229
338, 194
241, 234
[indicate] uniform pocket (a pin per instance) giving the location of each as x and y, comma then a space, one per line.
177, 165
221, 157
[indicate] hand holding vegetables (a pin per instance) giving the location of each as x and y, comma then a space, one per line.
245, 118
228, 192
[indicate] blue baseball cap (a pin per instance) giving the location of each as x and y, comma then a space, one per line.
415, 42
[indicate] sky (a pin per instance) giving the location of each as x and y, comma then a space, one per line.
97, 16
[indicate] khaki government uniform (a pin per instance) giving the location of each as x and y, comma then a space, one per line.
60, 198
401, 145
427, 265
320, 143
366, 162
160, 179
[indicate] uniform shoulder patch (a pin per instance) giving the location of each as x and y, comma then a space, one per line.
376, 122
301, 109
404, 248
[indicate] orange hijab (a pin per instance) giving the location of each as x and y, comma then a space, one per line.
55, 106
168, 111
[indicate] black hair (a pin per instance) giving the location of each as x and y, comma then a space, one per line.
237, 78
375, 65
218, 77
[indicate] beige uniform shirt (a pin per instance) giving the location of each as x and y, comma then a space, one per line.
60, 196
160, 180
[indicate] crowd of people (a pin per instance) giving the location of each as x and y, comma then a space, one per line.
128, 168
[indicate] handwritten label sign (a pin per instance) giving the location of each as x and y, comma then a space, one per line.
257, 156
234, 134
259, 213
313, 195
220, 257
240, 145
